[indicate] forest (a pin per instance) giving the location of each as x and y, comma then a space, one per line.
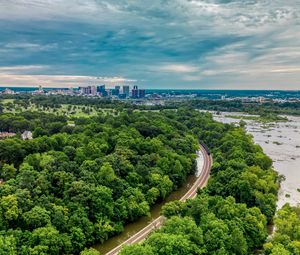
72, 186
264, 109
231, 214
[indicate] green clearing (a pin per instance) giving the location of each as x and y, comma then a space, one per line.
76, 111
6, 101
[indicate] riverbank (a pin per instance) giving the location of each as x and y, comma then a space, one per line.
281, 142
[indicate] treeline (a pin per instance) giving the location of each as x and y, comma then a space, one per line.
55, 101
230, 215
70, 188
41, 122
286, 239
263, 109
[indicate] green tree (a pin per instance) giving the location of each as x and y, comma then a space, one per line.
171, 244
8, 245
48, 237
90, 251
8, 171
9, 207
36, 217
137, 249
106, 173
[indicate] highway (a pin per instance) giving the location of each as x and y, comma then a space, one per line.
158, 222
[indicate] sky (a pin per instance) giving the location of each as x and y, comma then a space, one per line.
180, 44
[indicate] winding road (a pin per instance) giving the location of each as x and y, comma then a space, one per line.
157, 223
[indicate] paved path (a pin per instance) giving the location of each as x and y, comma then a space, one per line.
157, 223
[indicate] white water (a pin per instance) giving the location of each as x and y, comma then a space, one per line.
281, 142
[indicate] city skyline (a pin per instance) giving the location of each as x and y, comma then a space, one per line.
212, 44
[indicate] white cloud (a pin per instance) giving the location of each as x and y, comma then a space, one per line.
15, 69
177, 68
30, 46
59, 80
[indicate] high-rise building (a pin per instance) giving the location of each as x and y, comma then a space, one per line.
85, 90
126, 90
107, 93
101, 89
93, 90
89, 90
141, 93
135, 92
116, 91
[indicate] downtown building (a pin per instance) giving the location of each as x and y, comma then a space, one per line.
137, 93
89, 90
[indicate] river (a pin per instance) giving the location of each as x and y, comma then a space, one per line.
281, 142
134, 227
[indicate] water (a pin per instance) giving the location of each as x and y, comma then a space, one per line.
132, 228
281, 142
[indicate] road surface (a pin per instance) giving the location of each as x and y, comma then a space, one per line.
157, 223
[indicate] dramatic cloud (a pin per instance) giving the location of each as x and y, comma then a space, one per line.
160, 44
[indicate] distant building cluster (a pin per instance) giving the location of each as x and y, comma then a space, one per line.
118, 91
8, 92
121, 92
157, 97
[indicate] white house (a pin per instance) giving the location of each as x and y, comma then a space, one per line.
27, 135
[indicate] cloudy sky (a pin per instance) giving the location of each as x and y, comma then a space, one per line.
212, 44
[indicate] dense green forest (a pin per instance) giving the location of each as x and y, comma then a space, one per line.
73, 186
263, 109
76, 185
231, 214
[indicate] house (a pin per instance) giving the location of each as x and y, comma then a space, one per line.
27, 135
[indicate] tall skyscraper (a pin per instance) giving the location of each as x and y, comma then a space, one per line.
89, 90
126, 90
116, 91
101, 89
135, 92
93, 90
85, 90
141, 93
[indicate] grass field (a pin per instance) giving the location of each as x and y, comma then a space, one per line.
65, 109
6, 101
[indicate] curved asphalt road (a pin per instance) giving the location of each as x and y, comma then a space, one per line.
157, 223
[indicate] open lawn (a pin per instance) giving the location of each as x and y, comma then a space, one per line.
64, 109
6, 101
